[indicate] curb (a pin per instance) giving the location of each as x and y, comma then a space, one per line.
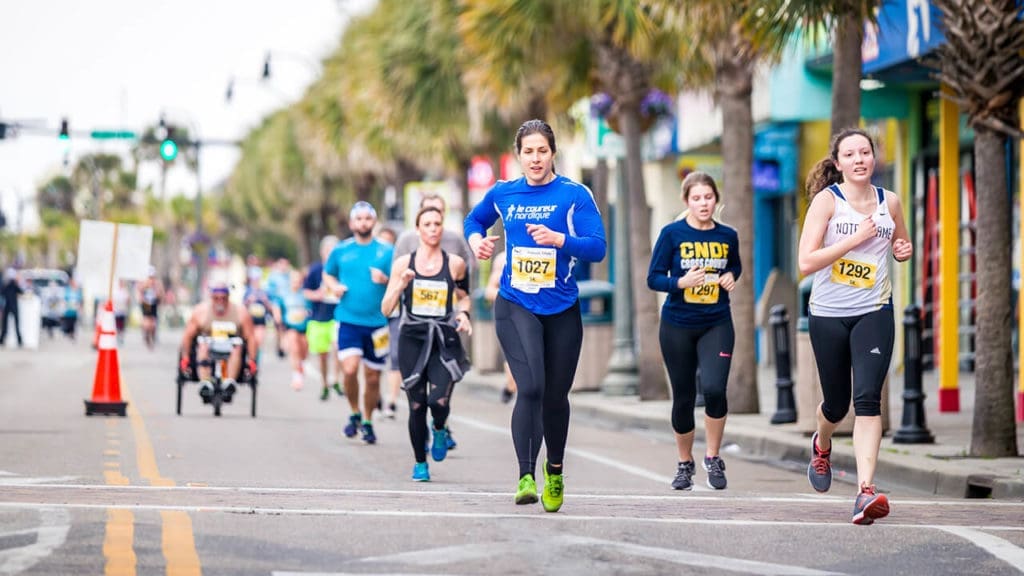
942, 476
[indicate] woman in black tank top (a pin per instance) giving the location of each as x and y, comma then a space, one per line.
432, 286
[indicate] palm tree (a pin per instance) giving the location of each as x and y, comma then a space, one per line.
981, 62
727, 52
265, 192
565, 51
780, 20
100, 175
58, 193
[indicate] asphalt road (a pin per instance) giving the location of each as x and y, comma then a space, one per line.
286, 493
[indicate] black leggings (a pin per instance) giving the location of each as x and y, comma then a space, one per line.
542, 352
433, 390
684, 350
862, 344
11, 309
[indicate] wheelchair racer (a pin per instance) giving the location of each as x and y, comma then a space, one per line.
218, 318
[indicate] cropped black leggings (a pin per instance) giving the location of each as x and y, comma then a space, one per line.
861, 344
432, 391
542, 352
686, 349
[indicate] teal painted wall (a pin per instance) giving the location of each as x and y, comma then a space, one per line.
799, 95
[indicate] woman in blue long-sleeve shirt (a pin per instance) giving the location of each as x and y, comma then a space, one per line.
550, 222
697, 261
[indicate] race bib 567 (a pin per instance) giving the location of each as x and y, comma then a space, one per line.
429, 297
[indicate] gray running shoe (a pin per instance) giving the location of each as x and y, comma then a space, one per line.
684, 476
869, 506
715, 468
819, 471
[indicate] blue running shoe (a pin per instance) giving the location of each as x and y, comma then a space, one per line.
439, 447
421, 472
352, 428
452, 444
368, 436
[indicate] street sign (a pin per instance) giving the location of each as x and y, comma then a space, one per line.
112, 135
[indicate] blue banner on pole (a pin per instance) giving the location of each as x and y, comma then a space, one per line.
907, 30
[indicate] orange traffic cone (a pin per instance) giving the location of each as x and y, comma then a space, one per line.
106, 388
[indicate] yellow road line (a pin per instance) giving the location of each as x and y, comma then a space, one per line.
178, 544
117, 544
115, 478
178, 539
119, 533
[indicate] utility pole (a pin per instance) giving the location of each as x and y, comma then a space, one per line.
201, 254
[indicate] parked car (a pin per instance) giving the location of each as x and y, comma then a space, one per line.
39, 278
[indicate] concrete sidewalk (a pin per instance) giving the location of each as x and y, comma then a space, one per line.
940, 468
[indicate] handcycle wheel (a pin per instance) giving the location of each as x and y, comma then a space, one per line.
252, 408
181, 384
216, 404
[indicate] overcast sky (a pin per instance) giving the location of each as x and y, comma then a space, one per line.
108, 64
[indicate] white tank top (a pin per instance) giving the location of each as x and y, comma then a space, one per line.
858, 282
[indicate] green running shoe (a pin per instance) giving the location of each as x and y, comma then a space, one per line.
554, 486
527, 492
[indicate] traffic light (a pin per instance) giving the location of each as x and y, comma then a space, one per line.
64, 134
168, 147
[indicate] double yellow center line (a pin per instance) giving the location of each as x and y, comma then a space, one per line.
177, 540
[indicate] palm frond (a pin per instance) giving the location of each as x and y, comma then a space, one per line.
982, 60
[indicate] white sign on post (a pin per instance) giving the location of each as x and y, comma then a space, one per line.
102, 244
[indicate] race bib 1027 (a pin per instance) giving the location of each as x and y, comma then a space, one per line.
533, 268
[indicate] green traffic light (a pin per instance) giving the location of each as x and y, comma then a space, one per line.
168, 150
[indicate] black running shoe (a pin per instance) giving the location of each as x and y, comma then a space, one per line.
869, 506
684, 476
715, 468
506, 395
819, 471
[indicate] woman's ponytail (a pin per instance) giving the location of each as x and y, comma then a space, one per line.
823, 175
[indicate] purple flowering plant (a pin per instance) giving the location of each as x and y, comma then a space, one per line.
656, 104
601, 104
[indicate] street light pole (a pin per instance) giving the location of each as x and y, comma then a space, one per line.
622, 378
196, 143
202, 253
